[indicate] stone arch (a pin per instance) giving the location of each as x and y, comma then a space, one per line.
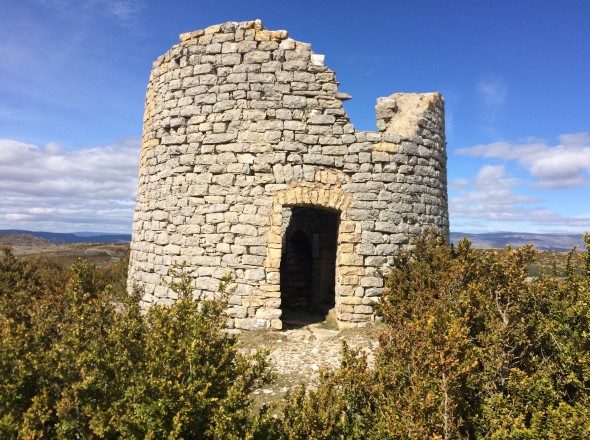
326, 200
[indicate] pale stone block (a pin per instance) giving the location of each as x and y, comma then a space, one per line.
274, 252
321, 119
351, 259
268, 313
351, 300
273, 263
363, 309
350, 237
292, 101
347, 226
252, 323
349, 279
244, 230
372, 282
256, 56
317, 59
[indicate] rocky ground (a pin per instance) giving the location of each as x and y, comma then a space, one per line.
299, 355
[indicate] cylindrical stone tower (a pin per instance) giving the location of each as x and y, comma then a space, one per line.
250, 165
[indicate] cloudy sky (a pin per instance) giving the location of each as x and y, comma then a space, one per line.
515, 76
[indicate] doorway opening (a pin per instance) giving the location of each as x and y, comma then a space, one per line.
308, 265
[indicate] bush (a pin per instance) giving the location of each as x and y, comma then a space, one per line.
84, 362
471, 349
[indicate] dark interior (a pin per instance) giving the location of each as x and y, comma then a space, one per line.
308, 266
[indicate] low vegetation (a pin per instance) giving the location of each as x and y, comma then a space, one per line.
470, 347
79, 360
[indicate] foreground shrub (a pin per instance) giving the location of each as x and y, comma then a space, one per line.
471, 349
85, 362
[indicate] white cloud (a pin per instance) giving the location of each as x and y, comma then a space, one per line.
459, 183
561, 166
124, 11
492, 91
489, 196
489, 202
49, 188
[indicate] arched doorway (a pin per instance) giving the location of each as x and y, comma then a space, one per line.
308, 264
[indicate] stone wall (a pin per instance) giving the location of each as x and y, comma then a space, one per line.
244, 130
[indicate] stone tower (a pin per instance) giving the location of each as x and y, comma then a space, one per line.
250, 165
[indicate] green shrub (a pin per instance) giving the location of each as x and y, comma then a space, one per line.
471, 349
85, 362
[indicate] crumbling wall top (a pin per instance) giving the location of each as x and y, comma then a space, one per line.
403, 113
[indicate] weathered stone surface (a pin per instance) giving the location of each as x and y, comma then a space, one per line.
247, 128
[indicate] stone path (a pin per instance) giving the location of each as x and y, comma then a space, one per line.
300, 355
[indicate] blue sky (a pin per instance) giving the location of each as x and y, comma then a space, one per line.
515, 75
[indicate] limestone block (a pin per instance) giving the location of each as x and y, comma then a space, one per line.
386, 249
292, 101
372, 294
214, 218
351, 300
252, 323
350, 237
398, 239
344, 308
256, 56
365, 249
273, 277
317, 59
321, 119
307, 138
244, 230
363, 309
386, 227
270, 291
355, 317
349, 279
173, 139
351, 259
373, 237
253, 260
268, 313
372, 282
220, 138
198, 190
359, 292
318, 159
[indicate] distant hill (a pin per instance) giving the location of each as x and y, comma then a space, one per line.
83, 237
18, 239
555, 242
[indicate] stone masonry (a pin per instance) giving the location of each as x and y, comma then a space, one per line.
250, 165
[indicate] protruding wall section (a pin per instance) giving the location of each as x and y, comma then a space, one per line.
245, 135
